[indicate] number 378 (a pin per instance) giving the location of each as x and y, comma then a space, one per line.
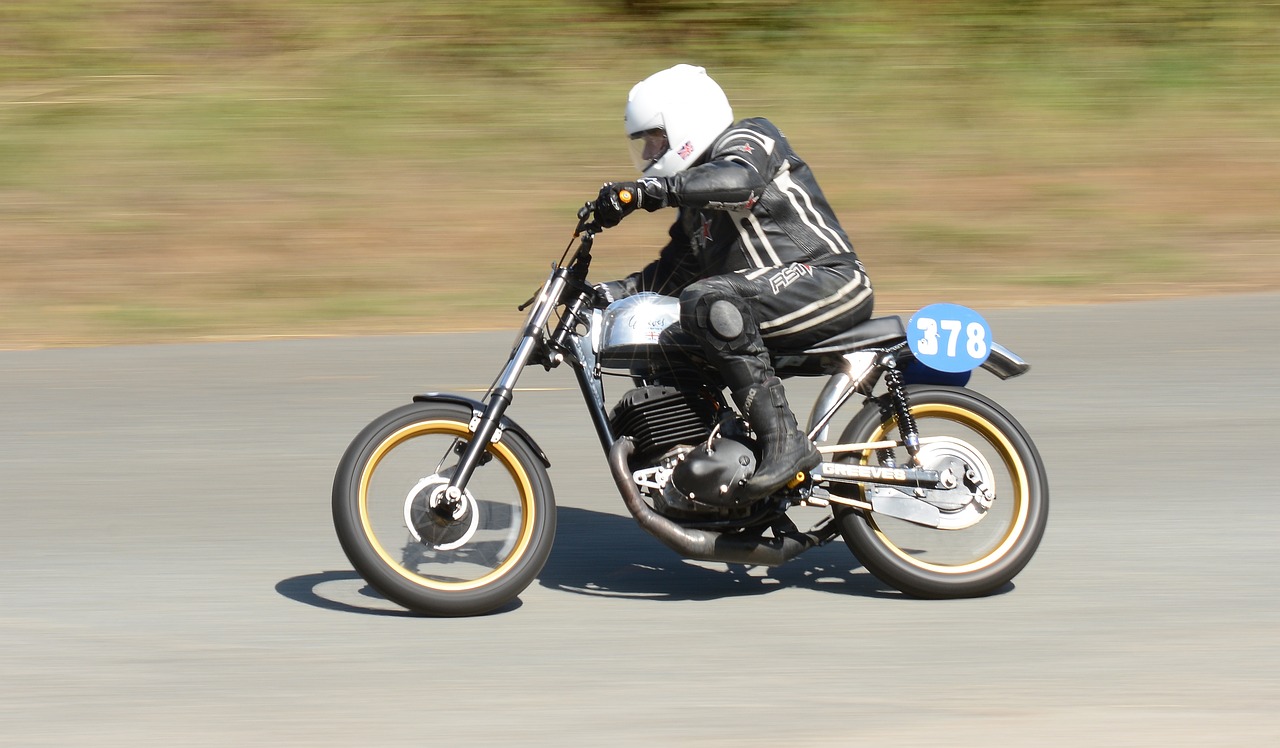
975, 336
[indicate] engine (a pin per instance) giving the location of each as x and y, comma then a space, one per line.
692, 452
658, 418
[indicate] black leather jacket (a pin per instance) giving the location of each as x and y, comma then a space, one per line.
750, 203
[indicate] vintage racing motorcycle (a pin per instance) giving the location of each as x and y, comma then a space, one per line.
444, 505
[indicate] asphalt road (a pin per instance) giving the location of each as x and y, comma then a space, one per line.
170, 575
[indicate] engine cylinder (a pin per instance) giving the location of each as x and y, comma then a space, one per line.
658, 418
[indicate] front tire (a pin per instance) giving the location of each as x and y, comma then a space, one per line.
386, 510
933, 563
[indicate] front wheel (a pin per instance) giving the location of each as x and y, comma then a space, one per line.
999, 468
421, 550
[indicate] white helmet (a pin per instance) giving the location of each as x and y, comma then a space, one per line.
673, 117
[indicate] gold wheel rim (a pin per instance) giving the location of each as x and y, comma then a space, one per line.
1017, 473
498, 450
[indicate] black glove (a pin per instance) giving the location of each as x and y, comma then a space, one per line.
618, 199
608, 292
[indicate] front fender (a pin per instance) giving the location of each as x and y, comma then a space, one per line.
477, 407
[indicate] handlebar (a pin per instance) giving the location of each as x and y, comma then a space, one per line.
585, 225
588, 208
585, 234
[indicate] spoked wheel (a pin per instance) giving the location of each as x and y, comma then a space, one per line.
987, 526
419, 548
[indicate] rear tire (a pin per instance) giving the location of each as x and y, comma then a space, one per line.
389, 479
932, 563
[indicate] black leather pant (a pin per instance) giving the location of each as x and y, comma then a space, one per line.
778, 309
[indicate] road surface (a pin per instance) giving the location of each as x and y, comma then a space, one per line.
170, 575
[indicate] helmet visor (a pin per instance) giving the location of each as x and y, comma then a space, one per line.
647, 146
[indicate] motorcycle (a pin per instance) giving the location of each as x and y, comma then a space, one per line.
445, 507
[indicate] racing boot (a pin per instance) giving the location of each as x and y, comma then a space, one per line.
785, 450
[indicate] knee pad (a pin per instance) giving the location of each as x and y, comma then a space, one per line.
725, 320
721, 322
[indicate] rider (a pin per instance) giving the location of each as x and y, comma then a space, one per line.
756, 253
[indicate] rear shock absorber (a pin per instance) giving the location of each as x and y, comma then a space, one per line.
901, 408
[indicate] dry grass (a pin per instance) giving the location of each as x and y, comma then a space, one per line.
323, 190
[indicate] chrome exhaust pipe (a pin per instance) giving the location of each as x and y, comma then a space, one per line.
706, 545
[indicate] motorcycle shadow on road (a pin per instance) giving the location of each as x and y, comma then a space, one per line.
607, 555
347, 592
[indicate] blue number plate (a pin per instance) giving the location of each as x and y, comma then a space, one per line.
949, 337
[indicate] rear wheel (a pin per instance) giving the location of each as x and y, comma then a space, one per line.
997, 513
420, 550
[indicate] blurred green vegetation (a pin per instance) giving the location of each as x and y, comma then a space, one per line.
1089, 44
234, 167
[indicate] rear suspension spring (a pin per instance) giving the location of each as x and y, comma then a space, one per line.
902, 411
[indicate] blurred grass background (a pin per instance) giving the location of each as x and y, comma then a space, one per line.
233, 168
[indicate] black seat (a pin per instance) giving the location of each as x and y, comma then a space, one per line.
873, 332
819, 360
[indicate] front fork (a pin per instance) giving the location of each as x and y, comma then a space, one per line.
485, 426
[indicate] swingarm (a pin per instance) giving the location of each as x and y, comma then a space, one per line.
953, 498
856, 473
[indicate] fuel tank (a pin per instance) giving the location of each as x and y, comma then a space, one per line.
632, 330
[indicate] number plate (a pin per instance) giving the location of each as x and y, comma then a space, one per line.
949, 337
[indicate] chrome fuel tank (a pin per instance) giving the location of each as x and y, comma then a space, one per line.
631, 327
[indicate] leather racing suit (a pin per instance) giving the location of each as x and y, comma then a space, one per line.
760, 264
755, 229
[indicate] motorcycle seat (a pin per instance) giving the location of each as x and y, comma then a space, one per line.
815, 360
873, 332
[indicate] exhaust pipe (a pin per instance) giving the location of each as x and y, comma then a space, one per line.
706, 545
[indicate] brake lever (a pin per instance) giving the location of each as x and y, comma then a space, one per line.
591, 227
